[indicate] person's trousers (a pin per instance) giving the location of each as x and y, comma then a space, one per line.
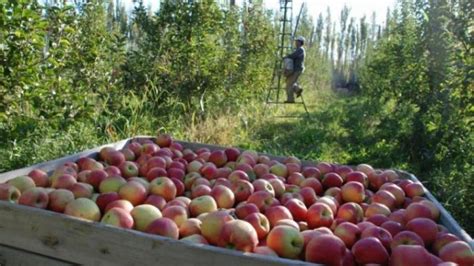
291, 85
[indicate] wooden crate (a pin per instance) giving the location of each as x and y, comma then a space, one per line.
29, 235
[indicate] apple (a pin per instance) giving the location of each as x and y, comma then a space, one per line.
118, 217
39, 177
263, 199
223, 182
244, 209
121, 203
143, 215
458, 252
261, 169
396, 191
348, 232
195, 238
212, 225
330, 201
128, 169
434, 210
378, 232
266, 251
332, 180
115, 158
9, 193
202, 204
239, 235
343, 170
353, 191
224, 196
414, 189
364, 225
83, 208
308, 195
377, 208
276, 213
218, 157
155, 172
34, 197
83, 176
295, 178
350, 212
95, 177
163, 186
377, 219
278, 186
134, 192
410, 255
200, 190
128, 154
82, 190
22, 183
194, 166
311, 172
288, 222
417, 210
425, 228
393, 227
279, 169
325, 249
376, 180
232, 154
286, 241
135, 147
238, 175
262, 184
260, 223
398, 216
442, 239
63, 181
386, 198
59, 198
189, 227
111, 184
406, 238
104, 199
334, 192
365, 168
164, 140
86, 163
176, 213
297, 209
319, 215
324, 168
164, 227
150, 148
157, 201
209, 171
370, 250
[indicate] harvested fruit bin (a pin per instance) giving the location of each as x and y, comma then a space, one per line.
302, 219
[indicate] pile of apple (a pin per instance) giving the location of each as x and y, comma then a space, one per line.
326, 213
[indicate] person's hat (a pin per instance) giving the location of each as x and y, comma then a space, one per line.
301, 39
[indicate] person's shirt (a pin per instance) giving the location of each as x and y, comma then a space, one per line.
298, 58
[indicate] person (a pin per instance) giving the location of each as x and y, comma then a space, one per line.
297, 56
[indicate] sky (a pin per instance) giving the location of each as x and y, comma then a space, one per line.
358, 7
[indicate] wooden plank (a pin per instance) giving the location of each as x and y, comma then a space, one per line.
15, 257
83, 242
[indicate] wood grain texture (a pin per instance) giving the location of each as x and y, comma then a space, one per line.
16, 257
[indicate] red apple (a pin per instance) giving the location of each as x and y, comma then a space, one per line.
189, 227
348, 232
406, 238
22, 183
295, 178
163, 186
276, 213
286, 241
297, 209
324, 168
59, 198
212, 225
325, 249
104, 199
262, 199
425, 228
458, 252
313, 183
163, 227
218, 157
396, 191
386, 198
332, 180
370, 250
157, 201
319, 215
417, 210
311, 171
308, 195
134, 192
121, 203
262, 184
200, 190
378, 232
239, 235
118, 217
176, 213
260, 223
128, 169
245, 209
377, 208
224, 196
95, 177
353, 192
9, 193
34, 197
410, 255
393, 227
350, 212
40, 177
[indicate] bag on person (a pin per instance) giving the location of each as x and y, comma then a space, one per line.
287, 66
